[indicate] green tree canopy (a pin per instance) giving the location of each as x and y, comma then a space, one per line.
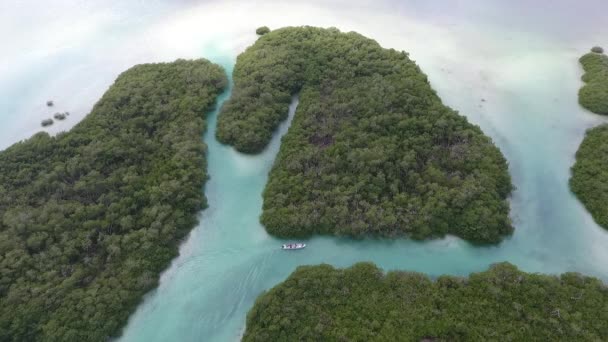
89, 218
589, 180
320, 303
594, 94
371, 150
262, 30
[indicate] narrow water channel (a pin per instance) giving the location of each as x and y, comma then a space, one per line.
229, 259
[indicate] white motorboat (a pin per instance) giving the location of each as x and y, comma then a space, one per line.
294, 246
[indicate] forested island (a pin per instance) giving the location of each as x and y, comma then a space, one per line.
89, 218
594, 94
321, 303
589, 180
371, 151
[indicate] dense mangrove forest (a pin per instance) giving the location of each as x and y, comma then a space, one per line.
371, 150
594, 94
90, 217
360, 303
589, 180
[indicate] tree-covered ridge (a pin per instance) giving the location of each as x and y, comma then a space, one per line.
589, 180
594, 94
371, 150
90, 217
320, 303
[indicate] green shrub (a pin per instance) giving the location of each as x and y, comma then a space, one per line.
262, 30
46, 122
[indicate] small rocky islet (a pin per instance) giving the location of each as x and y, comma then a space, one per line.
59, 116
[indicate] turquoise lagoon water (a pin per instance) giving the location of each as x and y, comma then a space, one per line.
520, 59
229, 259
